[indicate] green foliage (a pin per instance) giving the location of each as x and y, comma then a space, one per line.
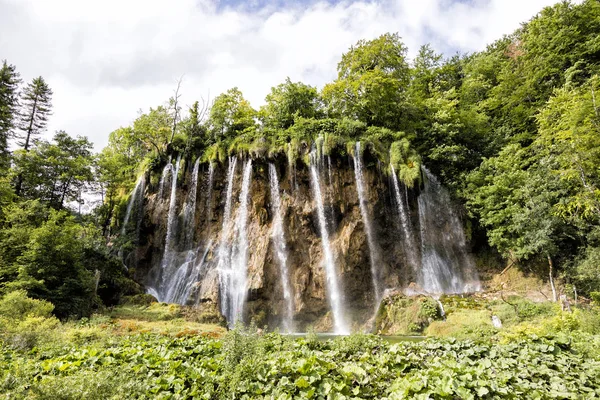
17, 306
372, 80
230, 114
288, 101
271, 366
24, 322
55, 172
9, 103
406, 162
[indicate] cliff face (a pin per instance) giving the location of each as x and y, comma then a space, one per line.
198, 275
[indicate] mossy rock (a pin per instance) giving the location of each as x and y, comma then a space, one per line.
399, 315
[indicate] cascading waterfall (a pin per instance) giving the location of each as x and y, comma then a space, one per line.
446, 266
211, 177
189, 209
280, 250
374, 256
223, 253
410, 246
238, 268
333, 289
239, 265
169, 254
186, 276
138, 193
168, 169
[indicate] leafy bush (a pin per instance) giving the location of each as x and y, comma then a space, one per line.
26, 322
250, 365
17, 306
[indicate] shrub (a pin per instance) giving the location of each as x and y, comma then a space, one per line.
17, 306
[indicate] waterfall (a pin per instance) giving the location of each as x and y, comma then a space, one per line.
410, 246
168, 169
189, 210
333, 290
181, 283
138, 192
374, 256
223, 255
239, 259
446, 266
441, 308
171, 218
211, 177
168, 253
280, 249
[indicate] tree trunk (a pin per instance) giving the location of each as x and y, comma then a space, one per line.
551, 273
30, 129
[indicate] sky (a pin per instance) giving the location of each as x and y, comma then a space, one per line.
106, 60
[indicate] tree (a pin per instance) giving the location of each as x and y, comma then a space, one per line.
230, 114
154, 129
55, 172
9, 103
373, 77
287, 101
36, 101
569, 131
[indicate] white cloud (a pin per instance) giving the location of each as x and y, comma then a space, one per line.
107, 59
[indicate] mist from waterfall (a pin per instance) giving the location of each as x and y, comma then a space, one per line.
333, 288
280, 248
374, 256
408, 238
189, 209
446, 265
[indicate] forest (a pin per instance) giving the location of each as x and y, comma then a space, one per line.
512, 132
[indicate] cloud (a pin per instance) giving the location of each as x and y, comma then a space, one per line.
105, 60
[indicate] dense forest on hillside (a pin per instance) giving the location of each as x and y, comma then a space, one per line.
513, 132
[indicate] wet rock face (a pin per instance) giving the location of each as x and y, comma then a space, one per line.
264, 301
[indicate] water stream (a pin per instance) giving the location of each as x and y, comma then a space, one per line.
223, 252
410, 245
374, 256
238, 269
279, 245
333, 288
189, 209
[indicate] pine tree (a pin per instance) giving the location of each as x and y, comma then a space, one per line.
9, 102
36, 105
